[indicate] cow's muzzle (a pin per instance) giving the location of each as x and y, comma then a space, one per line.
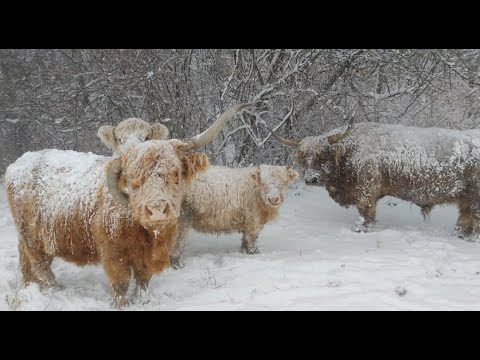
312, 177
162, 212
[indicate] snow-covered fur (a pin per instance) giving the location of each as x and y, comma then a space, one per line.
131, 130
426, 166
226, 200
62, 207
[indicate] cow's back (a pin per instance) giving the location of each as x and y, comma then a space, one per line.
422, 165
222, 200
53, 198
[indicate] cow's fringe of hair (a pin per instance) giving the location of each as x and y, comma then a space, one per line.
192, 164
139, 173
340, 151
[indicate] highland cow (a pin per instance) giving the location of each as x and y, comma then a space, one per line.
224, 200
426, 166
120, 211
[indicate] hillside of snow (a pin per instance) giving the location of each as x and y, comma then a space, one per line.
310, 260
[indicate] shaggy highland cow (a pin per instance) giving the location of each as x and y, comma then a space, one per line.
120, 211
426, 166
225, 200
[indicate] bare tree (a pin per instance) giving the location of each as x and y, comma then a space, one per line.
57, 98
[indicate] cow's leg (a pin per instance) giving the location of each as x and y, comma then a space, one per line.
249, 241
475, 211
40, 267
119, 274
34, 263
463, 228
25, 265
367, 211
176, 256
142, 278
367, 195
468, 223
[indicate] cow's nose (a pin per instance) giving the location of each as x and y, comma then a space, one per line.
160, 212
274, 200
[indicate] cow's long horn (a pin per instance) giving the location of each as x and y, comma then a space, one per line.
113, 175
289, 142
332, 139
209, 134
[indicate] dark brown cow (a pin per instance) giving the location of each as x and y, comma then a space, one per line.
426, 166
121, 211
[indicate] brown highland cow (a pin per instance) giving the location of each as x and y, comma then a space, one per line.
120, 211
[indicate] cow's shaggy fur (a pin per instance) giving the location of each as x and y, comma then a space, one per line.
224, 200
62, 207
426, 166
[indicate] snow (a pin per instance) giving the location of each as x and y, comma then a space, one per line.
398, 145
74, 174
310, 260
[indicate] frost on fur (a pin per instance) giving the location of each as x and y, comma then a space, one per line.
63, 207
426, 166
226, 200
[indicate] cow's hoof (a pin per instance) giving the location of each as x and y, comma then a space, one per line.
251, 251
177, 263
120, 302
51, 288
142, 296
361, 226
470, 237
462, 234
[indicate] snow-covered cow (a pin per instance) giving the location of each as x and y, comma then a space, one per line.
226, 200
129, 131
120, 211
426, 166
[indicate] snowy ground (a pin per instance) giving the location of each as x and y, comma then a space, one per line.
310, 260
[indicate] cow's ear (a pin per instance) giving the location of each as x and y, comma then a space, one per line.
107, 136
158, 132
256, 174
292, 174
193, 163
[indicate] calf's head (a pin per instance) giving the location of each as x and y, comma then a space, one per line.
273, 182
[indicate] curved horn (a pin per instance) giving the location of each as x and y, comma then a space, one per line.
113, 175
209, 134
288, 142
332, 139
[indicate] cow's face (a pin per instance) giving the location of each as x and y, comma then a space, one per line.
273, 182
130, 131
153, 177
318, 159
